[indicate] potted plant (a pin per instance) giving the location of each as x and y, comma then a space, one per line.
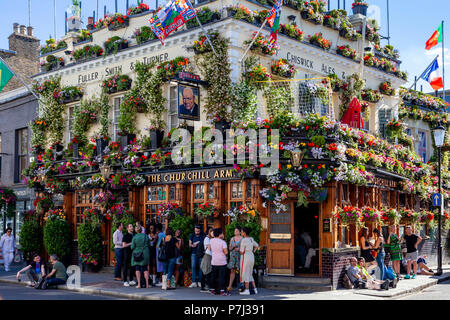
101, 143
57, 234
142, 7
90, 244
116, 83
292, 31
346, 51
386, 88
205, 15
359, 7
71, 94
144, 34
347, 215
283, 68
116, 21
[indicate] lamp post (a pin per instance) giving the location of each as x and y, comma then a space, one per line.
296, 157
439, 135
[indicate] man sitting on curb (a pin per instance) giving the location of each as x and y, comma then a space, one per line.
371, 282
57, 276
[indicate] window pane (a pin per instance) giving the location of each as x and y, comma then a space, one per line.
236, 190
172, 193
211, 193
249, 190
199, 191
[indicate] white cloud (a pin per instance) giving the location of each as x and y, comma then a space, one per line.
438, 51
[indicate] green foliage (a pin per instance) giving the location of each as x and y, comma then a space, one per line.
245, 101
57, 237
128, 116
279, 98
186, 225
144, 34
83, 117
90, 240
216, 70
255, 227
31, 237
149, 86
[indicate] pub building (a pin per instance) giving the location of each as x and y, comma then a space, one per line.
190, 186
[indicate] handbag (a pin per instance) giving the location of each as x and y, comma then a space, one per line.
162, 255
138, 256
17, 258
374, 253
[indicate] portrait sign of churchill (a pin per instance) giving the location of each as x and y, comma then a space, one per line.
188, 102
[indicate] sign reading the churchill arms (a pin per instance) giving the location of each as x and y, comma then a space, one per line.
193, 176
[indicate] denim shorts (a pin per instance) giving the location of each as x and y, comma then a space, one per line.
179, 260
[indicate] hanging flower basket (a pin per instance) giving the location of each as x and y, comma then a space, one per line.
390, 216
359, 7
348, 215
370, 215
169, 210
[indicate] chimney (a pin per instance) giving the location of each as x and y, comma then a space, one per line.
23, 42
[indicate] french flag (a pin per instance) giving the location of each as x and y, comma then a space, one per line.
432, 76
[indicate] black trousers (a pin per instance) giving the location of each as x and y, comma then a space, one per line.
218, 277
127, 268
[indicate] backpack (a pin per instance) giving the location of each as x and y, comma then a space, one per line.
162, 255
346, 283
200, 252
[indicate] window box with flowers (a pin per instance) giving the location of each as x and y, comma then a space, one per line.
390, 216
169, 69
84, 36
144, 34
283, 69
116, 83
395, 128
292, 31
260, 16
87, 52
313, 10
348, 215
240, 13
71, 94
115, 44
135, 10
256, 74
202, 44
371, 61
427, 217
386, 88
371, 215
52, 63
261, 45
170, 210
347, 51
409, 216
205, 15
207, 210
359, 7
319, 41
52, 46
116, 22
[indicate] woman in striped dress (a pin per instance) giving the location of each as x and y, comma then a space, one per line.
393, 243
247, 247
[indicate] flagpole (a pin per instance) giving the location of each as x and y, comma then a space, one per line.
20, 79
443, 63
419, 77
253, 40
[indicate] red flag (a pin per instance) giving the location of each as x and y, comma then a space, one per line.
353, 115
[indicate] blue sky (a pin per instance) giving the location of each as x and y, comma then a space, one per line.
412, 22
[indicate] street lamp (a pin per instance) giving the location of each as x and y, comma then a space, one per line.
439, 135
105, 170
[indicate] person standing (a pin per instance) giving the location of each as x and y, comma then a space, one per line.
35, 270
379, 246
8, 248
219, 252
58, 274
205, 265
153, 238
159, 264
179, 255
395, 249
412, 241
140, 257
197, 251
247, 248
141, 225
366, 247
118, 252
170, 244
128, 270
235, 255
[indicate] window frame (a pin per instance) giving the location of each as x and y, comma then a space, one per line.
19, 156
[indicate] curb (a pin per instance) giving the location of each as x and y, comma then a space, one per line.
100, 292
408, 291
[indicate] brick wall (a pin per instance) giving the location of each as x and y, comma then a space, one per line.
334, 265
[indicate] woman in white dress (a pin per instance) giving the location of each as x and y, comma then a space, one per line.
247, 247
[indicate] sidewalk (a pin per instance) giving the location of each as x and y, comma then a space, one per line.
103, 284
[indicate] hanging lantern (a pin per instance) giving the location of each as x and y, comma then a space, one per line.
105, 170
296, 157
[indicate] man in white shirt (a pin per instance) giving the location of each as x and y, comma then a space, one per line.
8, 248
117, 240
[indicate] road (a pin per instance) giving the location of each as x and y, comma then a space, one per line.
20, 292
438, 292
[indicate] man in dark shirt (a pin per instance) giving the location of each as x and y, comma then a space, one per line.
196, 245
126, 247
412, 241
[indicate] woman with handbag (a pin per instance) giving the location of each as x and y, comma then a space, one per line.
140, 258
379, 253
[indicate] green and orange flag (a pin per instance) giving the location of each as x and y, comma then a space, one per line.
5, 75
435, 38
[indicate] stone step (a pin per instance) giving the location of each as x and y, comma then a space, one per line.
296, 280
